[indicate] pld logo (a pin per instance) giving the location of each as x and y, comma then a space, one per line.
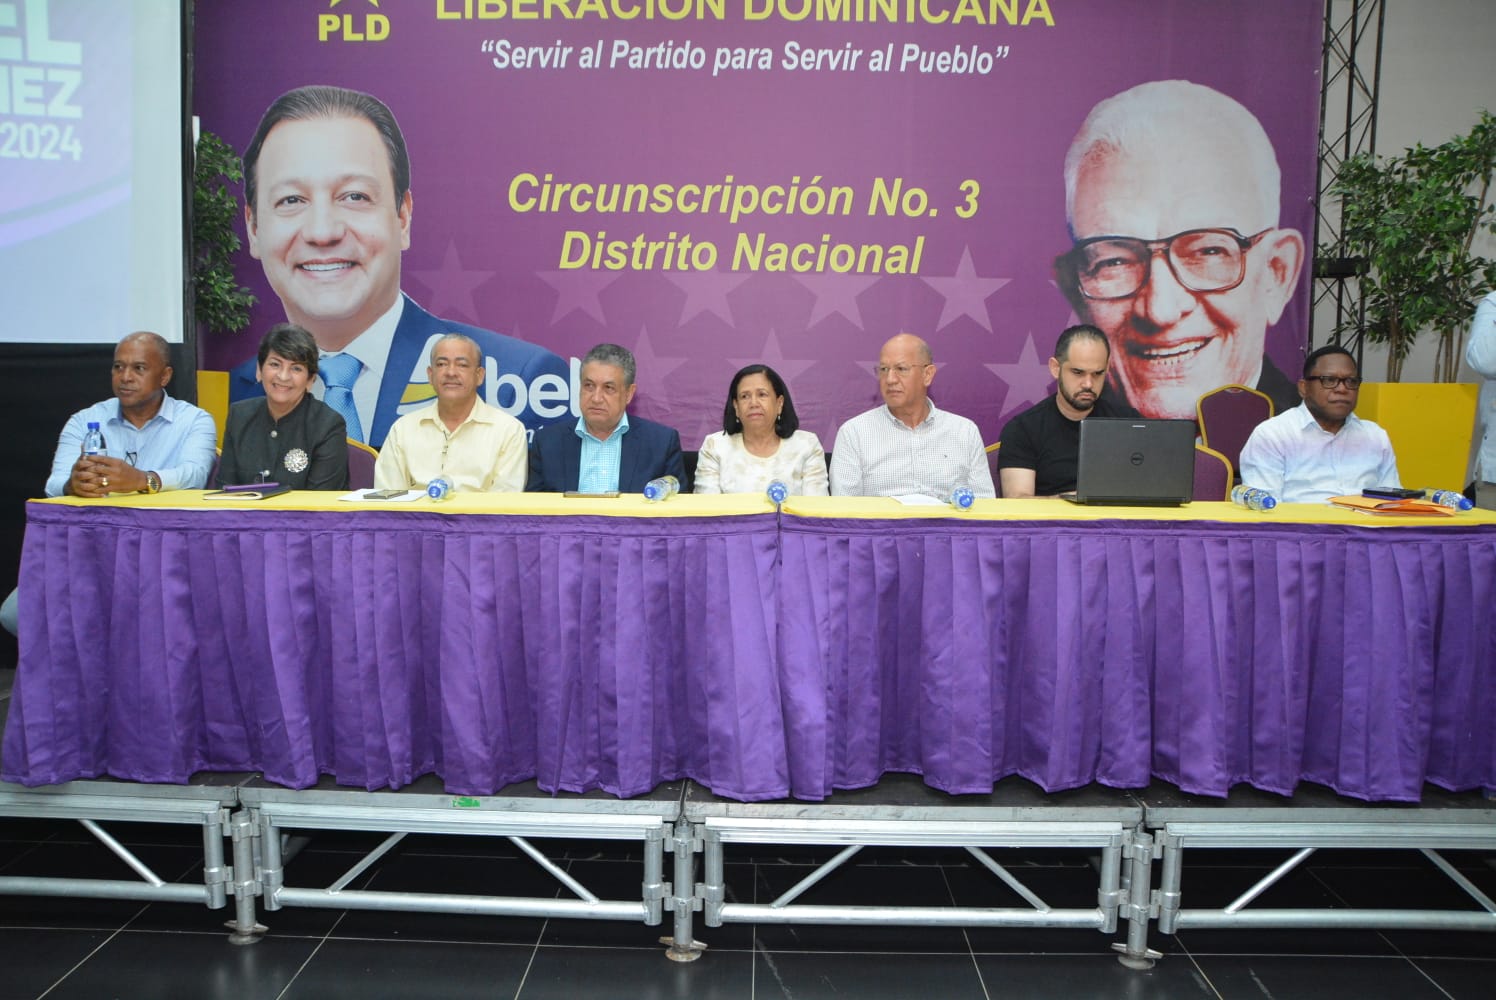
346, 27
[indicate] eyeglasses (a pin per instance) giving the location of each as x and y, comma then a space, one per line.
1202, 260
902, 371
1331, 381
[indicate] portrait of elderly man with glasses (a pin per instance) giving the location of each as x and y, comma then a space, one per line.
1320, 449
1172, 197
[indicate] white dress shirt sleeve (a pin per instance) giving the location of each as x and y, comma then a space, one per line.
846, 463
1263, 463
1480, 351
979, 476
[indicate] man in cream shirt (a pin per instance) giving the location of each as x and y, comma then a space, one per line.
475, 447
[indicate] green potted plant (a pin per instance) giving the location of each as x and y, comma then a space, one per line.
220, 303
1412, 221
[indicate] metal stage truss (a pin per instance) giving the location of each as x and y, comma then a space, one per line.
1349, 88
1133, 851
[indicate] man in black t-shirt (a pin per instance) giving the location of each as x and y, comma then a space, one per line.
1041, 446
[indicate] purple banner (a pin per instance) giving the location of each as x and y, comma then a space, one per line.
717, 182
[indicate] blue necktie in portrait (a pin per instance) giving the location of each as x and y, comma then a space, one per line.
339, 372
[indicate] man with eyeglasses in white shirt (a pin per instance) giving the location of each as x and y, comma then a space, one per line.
1320, 449
1172, 195
908, 445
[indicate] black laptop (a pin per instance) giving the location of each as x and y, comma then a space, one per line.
1148, 463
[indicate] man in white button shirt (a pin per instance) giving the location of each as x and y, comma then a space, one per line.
1320, 449
908, 445
475, 447
1480, 354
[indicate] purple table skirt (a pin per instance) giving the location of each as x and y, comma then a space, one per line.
375, 647
1114, 651
763, 660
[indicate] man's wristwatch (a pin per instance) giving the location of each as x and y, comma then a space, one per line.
152, 483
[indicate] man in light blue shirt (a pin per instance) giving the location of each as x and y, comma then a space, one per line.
151, 441
607, 385
605, 451
1320, 449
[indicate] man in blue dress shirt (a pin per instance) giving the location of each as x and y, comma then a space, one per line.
605, 451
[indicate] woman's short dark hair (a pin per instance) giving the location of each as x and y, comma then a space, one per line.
292, 343
787, 424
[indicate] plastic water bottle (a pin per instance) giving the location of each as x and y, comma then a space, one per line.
962, 498
1253, 498
93, 441
662, 488
439, 489
777, 491
1452, 498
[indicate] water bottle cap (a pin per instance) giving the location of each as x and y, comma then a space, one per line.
778, 491
1268, 502
93, 425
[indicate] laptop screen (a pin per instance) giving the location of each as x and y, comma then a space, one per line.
1136, 461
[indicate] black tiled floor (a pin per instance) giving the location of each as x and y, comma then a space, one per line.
1299, 977
568, 973
895, 974
35, 958
362, 968
1092, 977
75, 947
185, 967
1462, 979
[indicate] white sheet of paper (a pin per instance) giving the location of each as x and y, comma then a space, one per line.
919, 500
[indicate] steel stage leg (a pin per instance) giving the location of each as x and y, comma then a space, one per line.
686, 896
244, 928
1136, 954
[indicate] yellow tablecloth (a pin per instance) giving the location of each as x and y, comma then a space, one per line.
628, 505
633, 505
